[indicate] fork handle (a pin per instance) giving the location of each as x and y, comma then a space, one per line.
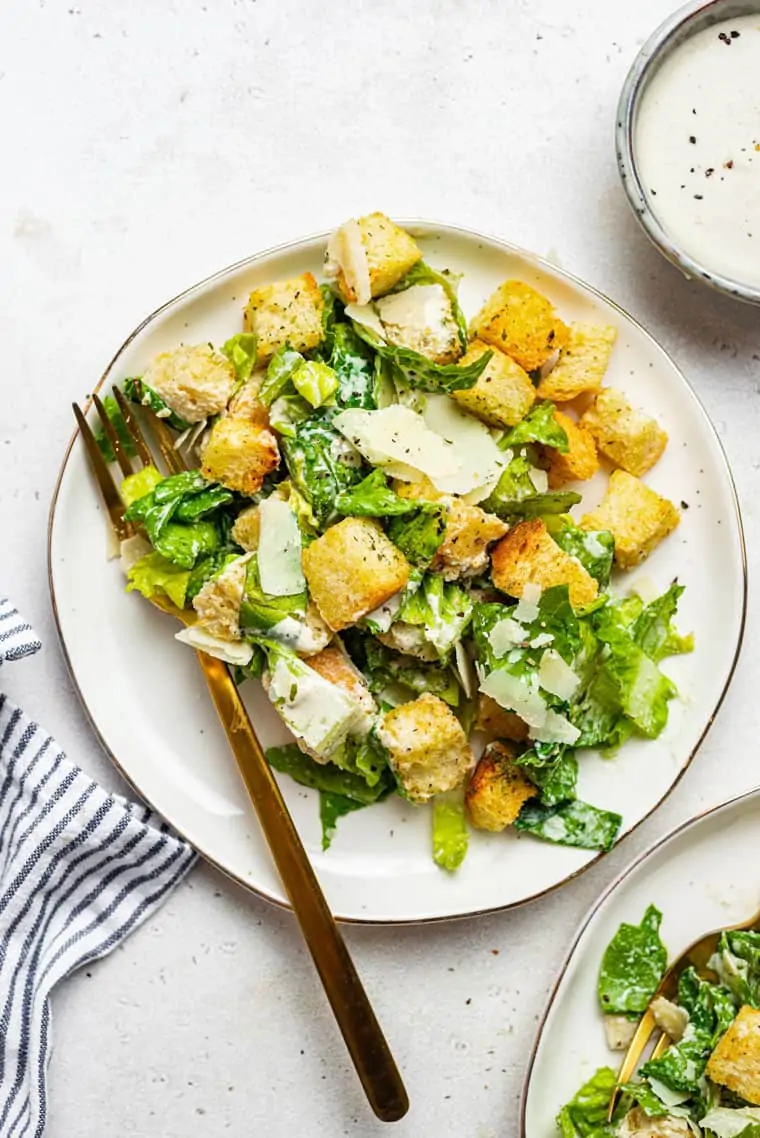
362, 1033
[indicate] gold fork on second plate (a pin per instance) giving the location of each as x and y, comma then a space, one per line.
695, 956
362, 1033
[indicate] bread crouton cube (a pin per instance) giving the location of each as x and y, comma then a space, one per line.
625, 435
288, 312
521, 322
421, 318
245, 531
218, 602
735, 1062
503, 394
387, 253
245, 403
495, 722
469, 531
239, 454
497, 790
638, 517
582, 364
351, 569
578, 463
194, 382
334, 664
427, 747
529, 554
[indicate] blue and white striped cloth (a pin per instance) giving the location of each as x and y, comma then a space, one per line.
79, 870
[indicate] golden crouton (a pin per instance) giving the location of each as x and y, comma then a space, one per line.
529, 554
521, 322
218, 602
638, 517
626, 436
503, 394
334, 664
427, 747
582, 365
390, 253
579, 462
289, 312
351, 569
469, 531
245, 403
194, 382
497, 790
497, 723
735, 1062
239, 454
245, 531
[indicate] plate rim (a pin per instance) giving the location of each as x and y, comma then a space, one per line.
591, 913
432, 227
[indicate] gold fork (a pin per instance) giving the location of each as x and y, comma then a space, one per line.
362, 1033
696, 956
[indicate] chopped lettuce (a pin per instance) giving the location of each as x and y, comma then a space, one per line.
736, 1122
374, 498
175, 515
409, 677
632, 966
354, 365
332, 807
450, 837
240, 350
556, 776
118, 423
321, 466
138, 392
326, 776
315, 382
261, 612
653, 629
443, 610
516, 496
420, 537
279, 375
138, 485
207, 568
737, 963
593, 548
418, 372
538, 426
572, 823
153, 575
585, 1116
286, 412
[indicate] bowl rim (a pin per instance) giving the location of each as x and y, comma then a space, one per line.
644, 66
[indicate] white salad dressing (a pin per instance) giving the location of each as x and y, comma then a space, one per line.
697, 147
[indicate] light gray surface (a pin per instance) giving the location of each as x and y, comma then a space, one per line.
147, 144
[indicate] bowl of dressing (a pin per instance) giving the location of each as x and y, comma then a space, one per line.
688, 143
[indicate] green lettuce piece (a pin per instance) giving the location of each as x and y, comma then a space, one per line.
138, 485
643, 690
331, 808
585, 1116
515, 496
384, 668
418, 372
737, 963
420, 537
354, 364
422, 274
315, 382
450, 836
186, 544
682, 1066
255, 667
644, 1096
118, 423
573, 823
374, 498
442, 609
593, 548
712, 1009
260, 612
726, 1122
139, 392
653, 629
326, 776
286, 412
556, 779
175, 515
556, 619
240, 350
320, 466
332, 311
153, 575
633, 964
538, 426
279, 376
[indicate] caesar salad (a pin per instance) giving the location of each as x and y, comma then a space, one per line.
377, 525
708, 1080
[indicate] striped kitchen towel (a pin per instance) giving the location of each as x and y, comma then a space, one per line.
79, 870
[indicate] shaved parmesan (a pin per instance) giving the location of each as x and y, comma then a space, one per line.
346, 254
480, 462
464, 669
540, 480
541, 640
397, 436
515, 694
230, 651
556, 729
557, 677
279, 550
132, 549
366, 315
505, 635
381, 618
527, 608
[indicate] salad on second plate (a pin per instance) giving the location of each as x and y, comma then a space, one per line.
708, 1080
378, 525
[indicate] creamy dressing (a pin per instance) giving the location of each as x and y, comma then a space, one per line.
697, 146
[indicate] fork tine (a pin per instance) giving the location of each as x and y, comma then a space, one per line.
134, 428
160, 432
663, 1043
113, 438
636, 1048
113, 502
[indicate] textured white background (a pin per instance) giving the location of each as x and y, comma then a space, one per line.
145, 144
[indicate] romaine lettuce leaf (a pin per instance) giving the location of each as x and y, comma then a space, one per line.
418, 372
138, 392
186, 544
279, 376
175, 516
287, 411
593, 548
515, 495
633, 964
538, 426
450, 836
420, 537
682, 1066
315, 382
737, 962
153, 575
331, 808
556, 778
653, 629
423, 274
354, 364
327, 776
260, 612
741, 1122
321, 466
374, 498
138, 485
585, 1116
384, 668
122, 433
240, 350
711, 1008
442, 609
573, 823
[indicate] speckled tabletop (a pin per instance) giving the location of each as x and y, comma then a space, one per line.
145, 145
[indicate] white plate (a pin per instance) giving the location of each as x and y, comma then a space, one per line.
703, 876
168, 743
